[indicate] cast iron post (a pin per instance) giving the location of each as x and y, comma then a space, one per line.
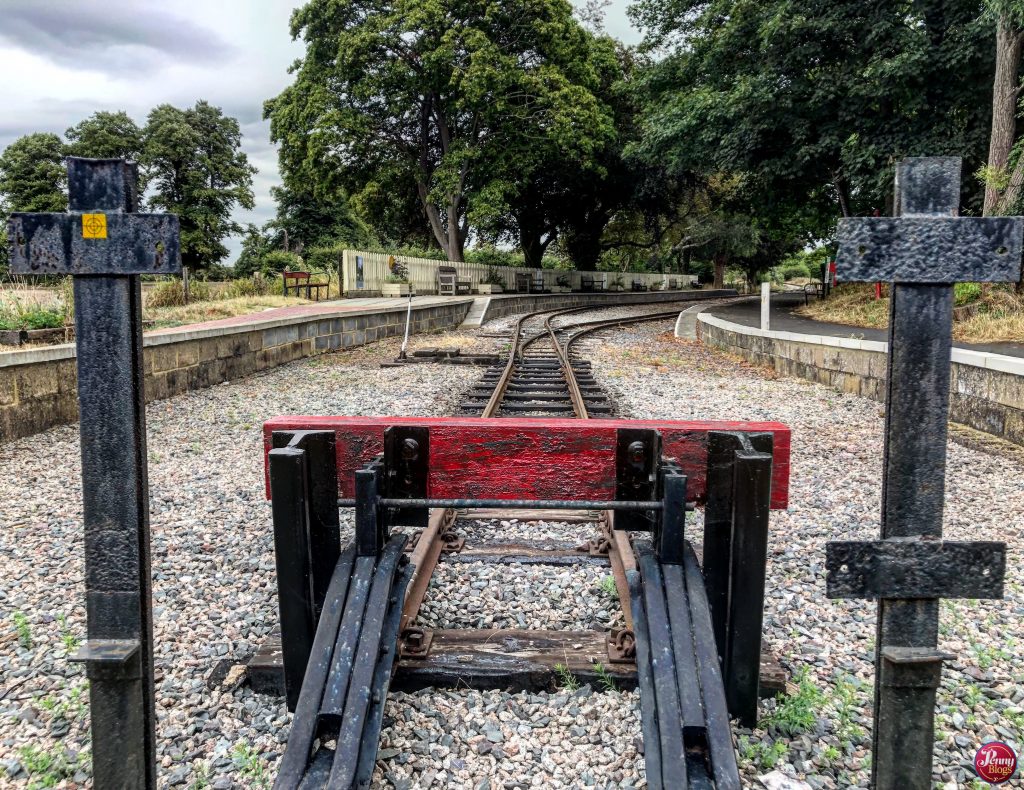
922, 254
106, 246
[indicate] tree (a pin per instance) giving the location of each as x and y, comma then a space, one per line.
198, 171
310, 221
814, 100
105, 135
1001, 188
432, 97
33, 177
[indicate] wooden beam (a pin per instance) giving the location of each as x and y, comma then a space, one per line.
531, 458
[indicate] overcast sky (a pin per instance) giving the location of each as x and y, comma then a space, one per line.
65, 59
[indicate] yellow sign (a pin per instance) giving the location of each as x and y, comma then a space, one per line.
94, 226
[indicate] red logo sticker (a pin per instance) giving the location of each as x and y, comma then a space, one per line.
995, 762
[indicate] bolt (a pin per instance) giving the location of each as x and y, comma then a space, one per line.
410, 450
637, 452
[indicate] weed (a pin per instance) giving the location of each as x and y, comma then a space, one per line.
845, 701
831, 753
566, 680
49, 768
201, 776
66, 636
762, 755
250, 765
608, 586
24, 630
797, 713
605, 678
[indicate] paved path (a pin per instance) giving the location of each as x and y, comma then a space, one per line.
783, 319
363, 305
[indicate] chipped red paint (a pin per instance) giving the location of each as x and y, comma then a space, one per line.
530, 458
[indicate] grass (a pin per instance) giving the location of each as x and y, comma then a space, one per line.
999, 318
565, 679
250, 765
608, 586
222, 308
48, 768
797, 713
760, 754
605, 678
24, 630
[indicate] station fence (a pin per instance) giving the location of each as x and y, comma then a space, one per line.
364, 274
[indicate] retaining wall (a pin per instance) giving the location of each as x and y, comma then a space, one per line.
986, 390
38, 387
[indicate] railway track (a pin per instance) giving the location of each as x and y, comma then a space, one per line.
543, 376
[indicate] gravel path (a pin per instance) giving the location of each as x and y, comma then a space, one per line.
835, 493
214, 587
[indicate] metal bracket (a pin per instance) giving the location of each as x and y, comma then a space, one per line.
913, 568
622, 646
110, 659
370, 528
415, 643
912, 667
670, 525
637, 453
406, 467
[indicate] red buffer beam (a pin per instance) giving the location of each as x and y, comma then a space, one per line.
473, 457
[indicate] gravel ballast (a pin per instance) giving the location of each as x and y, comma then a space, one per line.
215, 596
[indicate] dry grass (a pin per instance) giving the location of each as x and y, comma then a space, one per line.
1000, 317
221, 308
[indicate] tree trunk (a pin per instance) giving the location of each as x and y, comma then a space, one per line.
844, 194
721, 260
1005, 89
456, 241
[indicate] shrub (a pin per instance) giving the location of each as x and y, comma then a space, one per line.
257, 285
171, 293
965, 293
491, 256
276, 261
324, 259
791, 269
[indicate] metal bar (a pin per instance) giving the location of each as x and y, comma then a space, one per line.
716, 712
304, 722
332, 707
663, 669
533, 504
289, 483
368, 526
357, 701
622, 560
424, 560
752, 478
324, 524
717, 544
645, 682
690, 705
670, 533
381, 680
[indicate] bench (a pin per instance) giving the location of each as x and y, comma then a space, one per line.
303, 282
639, 286
816, 289
591, 284
537, 285
673, 284
522, 283
448, 282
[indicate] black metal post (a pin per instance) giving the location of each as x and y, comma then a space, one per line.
323, 528
752, 476
718, 531
669, 536
371, 532
922, 253
115, 497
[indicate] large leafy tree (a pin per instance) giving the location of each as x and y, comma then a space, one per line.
105, 135
32, 178
308, 220
814, 100
438, 99
198, 171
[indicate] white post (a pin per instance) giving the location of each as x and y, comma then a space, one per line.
766, 295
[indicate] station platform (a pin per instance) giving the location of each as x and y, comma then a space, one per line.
784, 319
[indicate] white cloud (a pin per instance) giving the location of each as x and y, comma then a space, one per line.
66, 59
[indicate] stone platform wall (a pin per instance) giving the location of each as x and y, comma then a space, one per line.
986, 390
38, 387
